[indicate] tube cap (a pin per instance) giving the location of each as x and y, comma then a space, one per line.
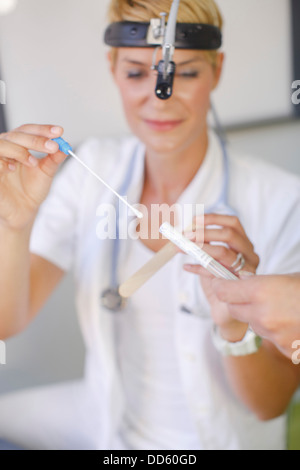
63, 145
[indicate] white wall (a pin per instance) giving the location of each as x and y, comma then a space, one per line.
278, 144
54, 67
54, 64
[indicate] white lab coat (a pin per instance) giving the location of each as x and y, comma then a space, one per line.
87, 415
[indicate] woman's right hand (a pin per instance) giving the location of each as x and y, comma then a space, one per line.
25, 181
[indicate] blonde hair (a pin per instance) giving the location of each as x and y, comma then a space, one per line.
190, 11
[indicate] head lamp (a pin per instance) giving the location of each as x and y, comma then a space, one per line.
171, 36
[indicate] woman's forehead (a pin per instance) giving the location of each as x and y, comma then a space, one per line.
145, 55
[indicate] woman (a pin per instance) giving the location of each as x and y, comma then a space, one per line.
154, 379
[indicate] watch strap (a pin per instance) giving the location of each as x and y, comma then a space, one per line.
250, 344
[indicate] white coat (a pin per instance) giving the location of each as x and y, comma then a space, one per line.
87, 415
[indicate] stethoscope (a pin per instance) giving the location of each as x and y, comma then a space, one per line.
110, 297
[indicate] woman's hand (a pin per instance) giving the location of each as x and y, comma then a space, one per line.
25, 180
270, 304
228, 231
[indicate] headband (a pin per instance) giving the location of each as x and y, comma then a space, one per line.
188, 35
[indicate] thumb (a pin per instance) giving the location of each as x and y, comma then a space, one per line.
50, 164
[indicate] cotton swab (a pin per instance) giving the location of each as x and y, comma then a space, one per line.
66, 148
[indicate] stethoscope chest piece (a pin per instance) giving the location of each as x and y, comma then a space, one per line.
112, 300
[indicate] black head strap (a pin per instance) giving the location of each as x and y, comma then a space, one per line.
188, 36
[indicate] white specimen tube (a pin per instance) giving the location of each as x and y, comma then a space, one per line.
190, 248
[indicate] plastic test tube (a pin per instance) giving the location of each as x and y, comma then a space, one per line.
190, 248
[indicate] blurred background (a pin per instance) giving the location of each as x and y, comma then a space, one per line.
53, 64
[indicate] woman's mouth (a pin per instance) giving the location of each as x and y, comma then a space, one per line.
162, 126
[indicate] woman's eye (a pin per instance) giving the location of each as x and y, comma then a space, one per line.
136, 74
191, 74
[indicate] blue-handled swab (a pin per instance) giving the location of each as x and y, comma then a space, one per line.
66, 148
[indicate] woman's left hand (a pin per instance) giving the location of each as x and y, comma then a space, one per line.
234, 241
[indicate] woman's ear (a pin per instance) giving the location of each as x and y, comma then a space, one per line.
218, 68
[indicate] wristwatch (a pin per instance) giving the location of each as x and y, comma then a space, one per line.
250, 344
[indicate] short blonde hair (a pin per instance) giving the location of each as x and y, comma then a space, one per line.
190, 11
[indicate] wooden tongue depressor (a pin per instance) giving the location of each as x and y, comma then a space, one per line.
162, 257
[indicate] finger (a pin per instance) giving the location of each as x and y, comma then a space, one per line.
198, 223
232, 233
217, 251
32, 142
50, 164
48, 131
196, 236
237, 242
4, 167
199, 270
224, 221
245, 274
7, 166
220, 253
233, 292
227, 258
11, 165
14, 152
228, 235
